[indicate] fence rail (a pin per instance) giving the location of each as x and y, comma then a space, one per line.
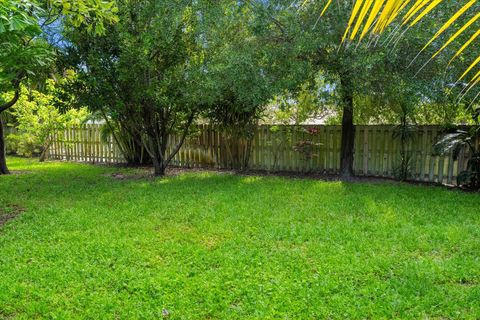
376, 153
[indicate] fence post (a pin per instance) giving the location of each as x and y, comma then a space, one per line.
375, 150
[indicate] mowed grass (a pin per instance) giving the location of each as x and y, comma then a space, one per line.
221, 246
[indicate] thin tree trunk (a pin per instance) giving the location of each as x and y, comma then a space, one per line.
43, 155
4, 107
12, 102
180, 143
159, 167
348, 132
3, 158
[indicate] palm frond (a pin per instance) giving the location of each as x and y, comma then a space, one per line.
374, 16
458, 33
452, 143
450, 22
465, 45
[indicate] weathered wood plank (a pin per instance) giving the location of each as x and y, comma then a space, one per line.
376, 152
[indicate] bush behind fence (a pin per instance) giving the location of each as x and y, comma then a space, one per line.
283, 148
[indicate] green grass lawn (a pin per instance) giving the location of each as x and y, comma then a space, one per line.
220, 246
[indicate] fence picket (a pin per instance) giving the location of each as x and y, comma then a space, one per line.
376, 152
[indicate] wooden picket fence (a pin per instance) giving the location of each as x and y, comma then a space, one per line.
276, 148
84, 144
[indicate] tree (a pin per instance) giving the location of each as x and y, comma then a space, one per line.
251, 64
148, 73
461, 17
165, 65
355, 72
348, 71
21, 55
25, 54
36, 119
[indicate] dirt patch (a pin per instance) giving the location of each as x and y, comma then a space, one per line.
137, 175
175, 171
19, 172
10, 213
145, 172
126, 176
467, 283
140, 173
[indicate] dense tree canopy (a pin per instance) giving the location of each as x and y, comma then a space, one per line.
165, 65
147, 73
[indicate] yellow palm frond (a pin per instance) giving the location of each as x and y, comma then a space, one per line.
470, 68
458, 33
477, 76
465, 45
326, 7
475, 80
414, 9
366, 6
398, 7
450, 22
356, 8
374, 16
429, 8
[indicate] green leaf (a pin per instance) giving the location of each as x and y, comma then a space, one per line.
17, 24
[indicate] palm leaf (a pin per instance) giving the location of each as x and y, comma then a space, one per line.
384, 12
366, 6
450, 22
356, 8
458, 33
376, 9
470, 68
452, 143
413, 10
326, 7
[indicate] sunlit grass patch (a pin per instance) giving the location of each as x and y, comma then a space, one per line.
213, 245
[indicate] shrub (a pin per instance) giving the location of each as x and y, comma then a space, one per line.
454, 143
36, 119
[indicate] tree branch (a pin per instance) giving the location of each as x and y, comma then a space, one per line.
16, 96
12, 102
182, 139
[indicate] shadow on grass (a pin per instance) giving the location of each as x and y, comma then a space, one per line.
68, 184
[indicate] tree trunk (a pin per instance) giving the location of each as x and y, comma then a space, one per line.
43, 155
4, 107
3, 158
348, 132
159, 167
